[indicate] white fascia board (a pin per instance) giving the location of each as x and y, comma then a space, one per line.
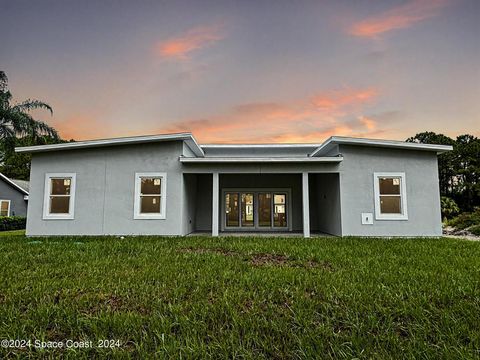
6, 179
187, 137
257, 146
394, 144
330, 159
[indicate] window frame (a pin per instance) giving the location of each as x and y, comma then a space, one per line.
403, 196
162, 215
9, 206
46, 199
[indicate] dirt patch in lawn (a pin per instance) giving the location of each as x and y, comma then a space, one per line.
219, 251
269, 259
263, 259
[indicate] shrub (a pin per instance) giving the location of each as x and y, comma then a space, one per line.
449, 207
466, 220
475, 230
12, 223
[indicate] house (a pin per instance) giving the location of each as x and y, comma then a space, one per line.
13, 196
171, 185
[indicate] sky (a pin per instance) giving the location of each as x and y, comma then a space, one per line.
247, 71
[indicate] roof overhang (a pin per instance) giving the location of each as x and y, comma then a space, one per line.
19, 188
230, 160
186, 137
394, 144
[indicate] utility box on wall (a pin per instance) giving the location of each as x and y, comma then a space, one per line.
367, 219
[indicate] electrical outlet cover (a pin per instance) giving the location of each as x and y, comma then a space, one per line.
367, 219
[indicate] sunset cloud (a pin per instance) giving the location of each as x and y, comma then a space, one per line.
400, 17
180, 47
343, 98
81, 127
305, 120
370, 124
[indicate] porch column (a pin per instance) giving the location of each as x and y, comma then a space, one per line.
306, 205
215, 203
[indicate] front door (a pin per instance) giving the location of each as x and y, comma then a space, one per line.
260, 210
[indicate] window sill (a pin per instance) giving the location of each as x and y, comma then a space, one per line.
58, 217
394, 218
149, 217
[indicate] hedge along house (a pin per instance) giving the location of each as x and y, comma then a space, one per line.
171, 185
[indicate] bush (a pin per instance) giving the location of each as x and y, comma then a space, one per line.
475, 230
466, 220
12, 223
449, 207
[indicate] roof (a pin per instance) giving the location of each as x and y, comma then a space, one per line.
186, 137
22, 185
258, 153
338, 140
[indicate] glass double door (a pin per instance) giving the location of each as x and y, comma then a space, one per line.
257, 210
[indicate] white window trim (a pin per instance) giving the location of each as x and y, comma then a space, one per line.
9, 204
403, 196
163, 196
46, 198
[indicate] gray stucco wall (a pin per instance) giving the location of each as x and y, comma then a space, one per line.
18, 206
105, 189
325, 208
274, 151
189, 203
357, 191
203, 214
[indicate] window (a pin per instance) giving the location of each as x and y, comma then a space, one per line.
59, 196
280, 213
390, 196
255, 209
150, 195
4, 207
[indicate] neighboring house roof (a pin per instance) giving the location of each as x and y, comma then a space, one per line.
24, 184
302, 151
186, 137
20, 185
337, 140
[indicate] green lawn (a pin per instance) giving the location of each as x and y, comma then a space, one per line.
243, 297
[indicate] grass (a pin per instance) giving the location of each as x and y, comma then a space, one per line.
247, 298
12, 232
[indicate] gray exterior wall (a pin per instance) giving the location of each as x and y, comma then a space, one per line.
339, 193
325, 206
105, 190
18, 205
357, 191
273, 151
189, 203
203, 214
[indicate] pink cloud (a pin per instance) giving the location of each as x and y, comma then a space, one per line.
400, 17
304, 120
181, 46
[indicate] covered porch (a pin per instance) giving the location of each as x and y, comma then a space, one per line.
265, 204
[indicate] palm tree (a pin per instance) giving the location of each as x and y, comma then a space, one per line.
15, 120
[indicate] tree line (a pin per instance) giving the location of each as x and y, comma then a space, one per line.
458, 170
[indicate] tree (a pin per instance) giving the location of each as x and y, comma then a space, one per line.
19, 128
15, 120
459, 170
446, 168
